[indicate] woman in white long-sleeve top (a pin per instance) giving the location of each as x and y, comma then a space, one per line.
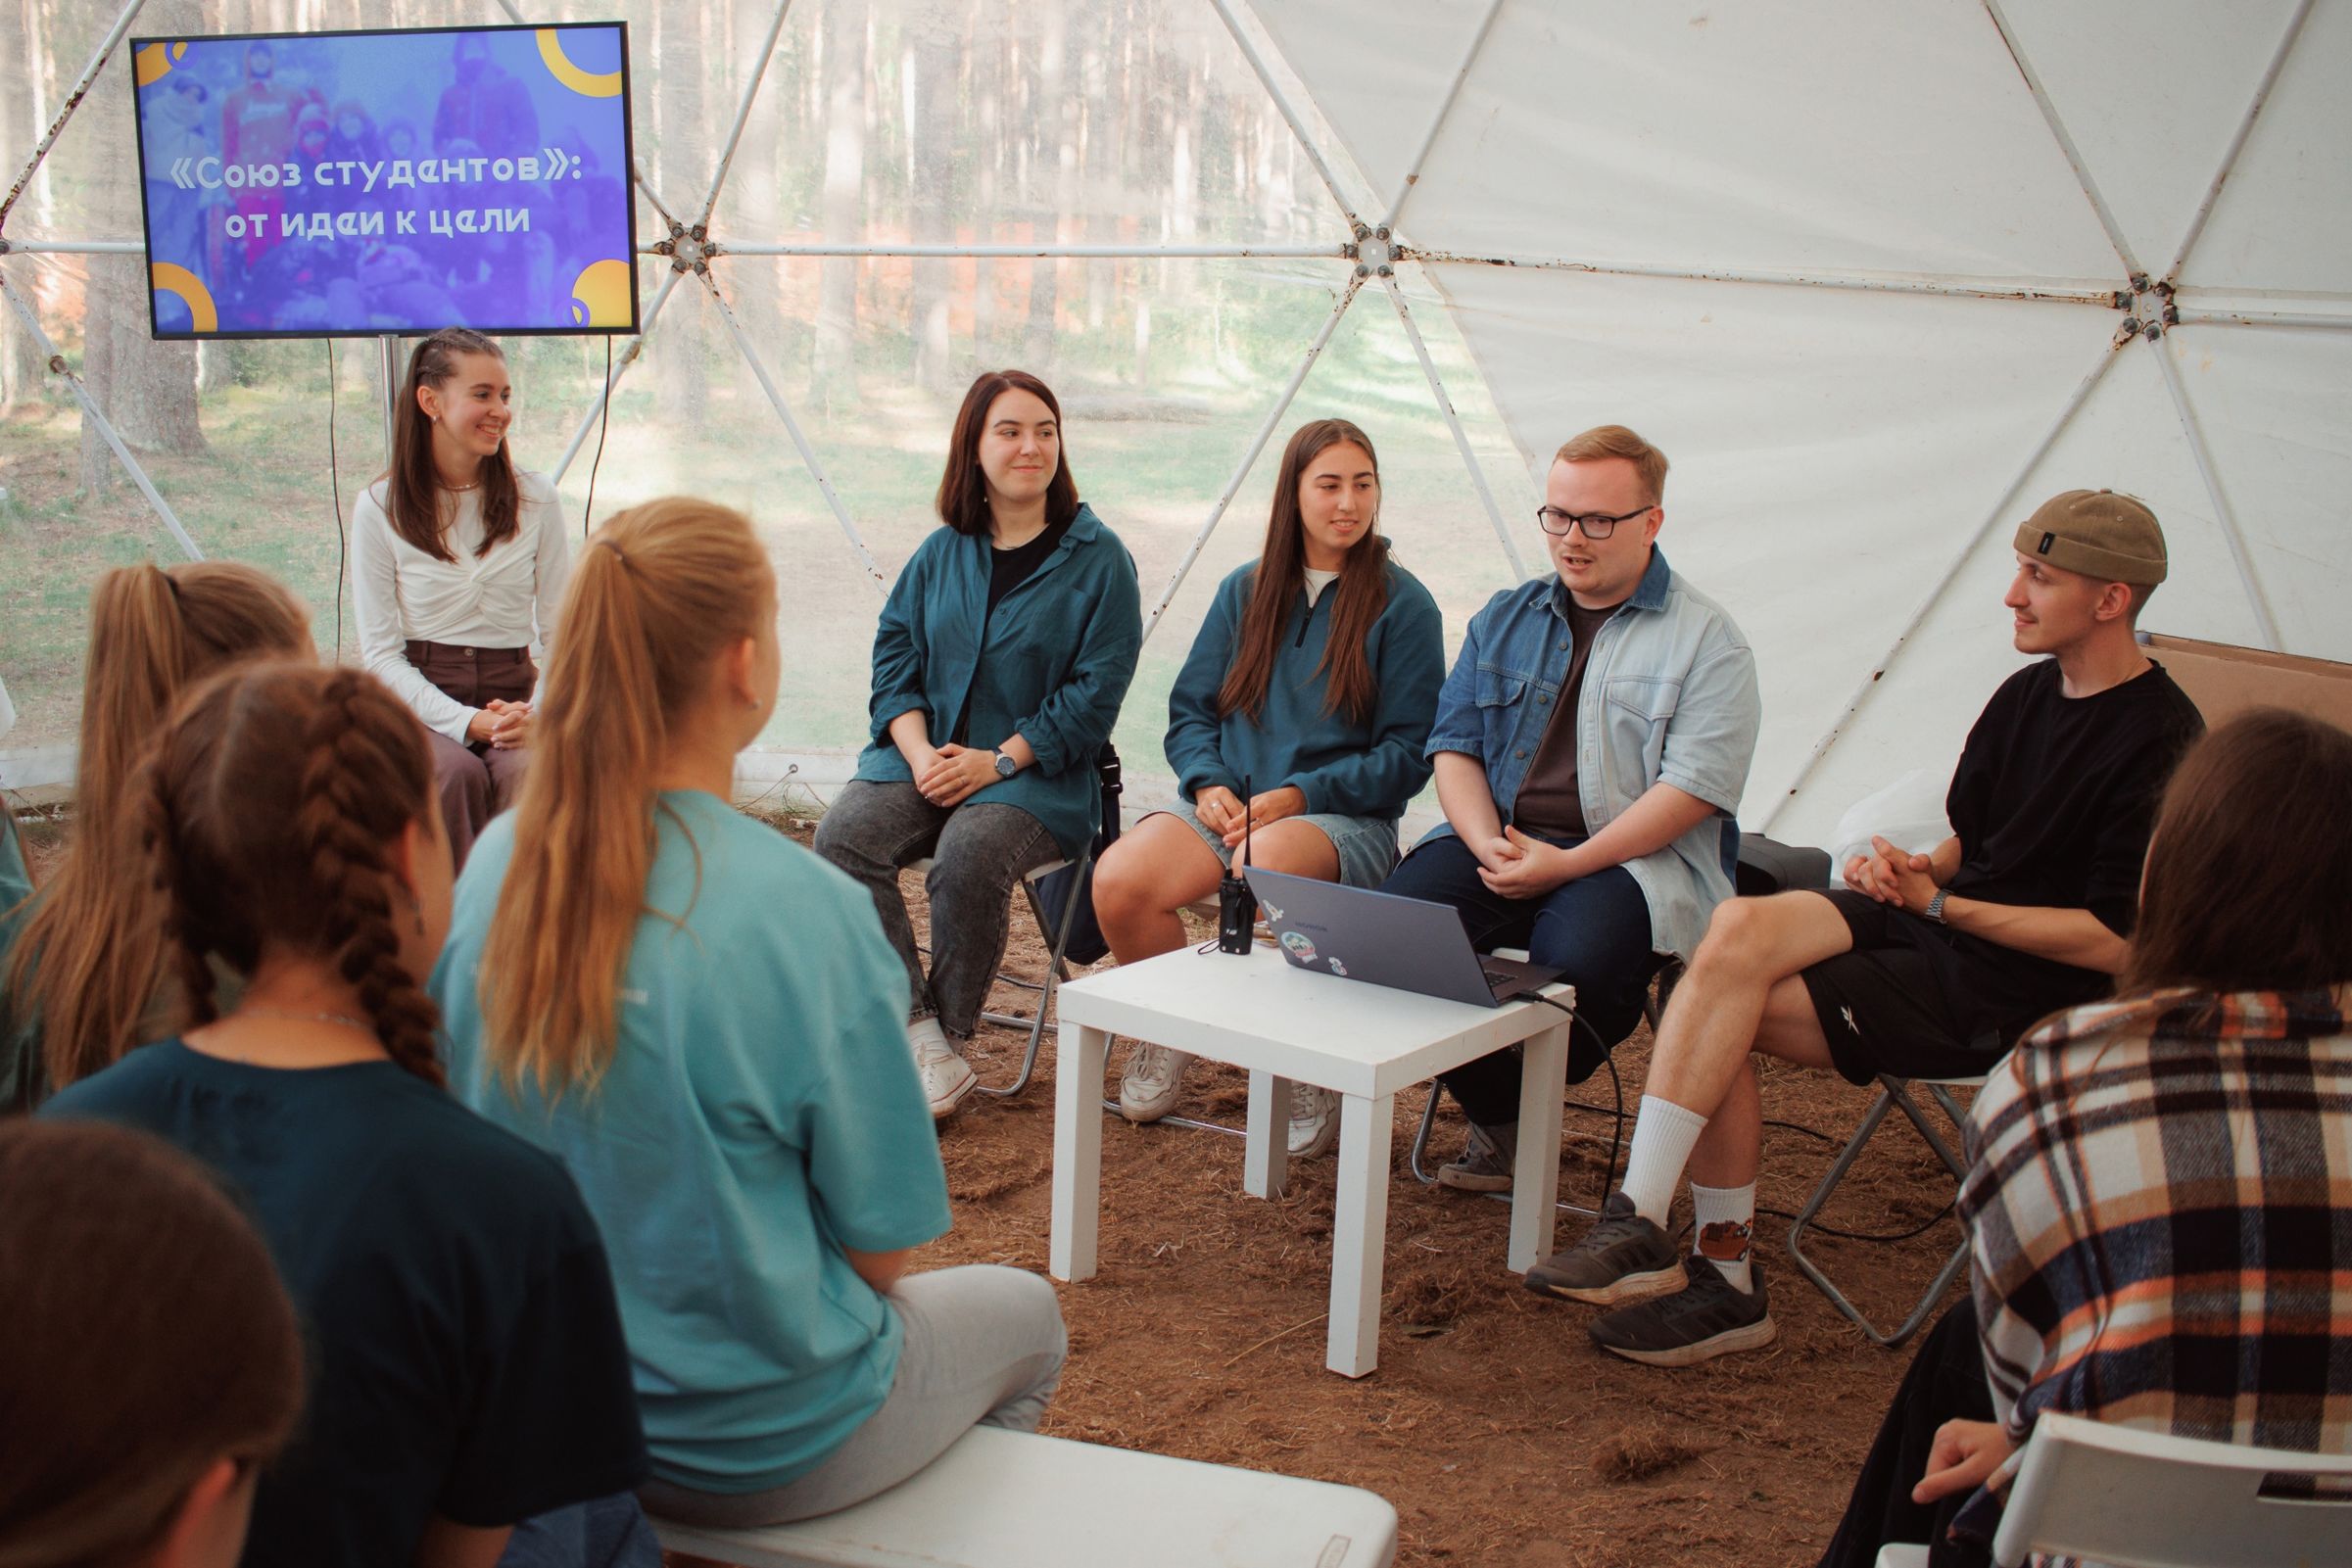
459, 566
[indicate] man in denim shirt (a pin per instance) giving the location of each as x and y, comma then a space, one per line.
1591, 745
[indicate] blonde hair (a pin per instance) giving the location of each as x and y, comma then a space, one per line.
661, 591
89, 962
1615, 441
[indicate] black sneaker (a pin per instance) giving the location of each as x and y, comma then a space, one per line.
1622, 1258
1703, 1320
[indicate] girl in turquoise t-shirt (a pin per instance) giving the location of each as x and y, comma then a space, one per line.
704, 1021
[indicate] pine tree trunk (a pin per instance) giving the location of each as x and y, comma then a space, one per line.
849, 63
1057, 117
931, 65
679, 370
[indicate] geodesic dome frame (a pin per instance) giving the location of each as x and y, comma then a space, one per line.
1877, 276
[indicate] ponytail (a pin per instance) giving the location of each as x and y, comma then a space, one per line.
661, 593
87, 967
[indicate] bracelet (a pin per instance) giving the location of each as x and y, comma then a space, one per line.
1935, 907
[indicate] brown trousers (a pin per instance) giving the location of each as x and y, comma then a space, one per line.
477, 781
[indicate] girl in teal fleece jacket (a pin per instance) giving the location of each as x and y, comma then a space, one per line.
1301, 714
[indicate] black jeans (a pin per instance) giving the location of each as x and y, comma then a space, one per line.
1594, 931
1946, 1382
979, 853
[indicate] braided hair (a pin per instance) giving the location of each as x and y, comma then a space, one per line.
274, 799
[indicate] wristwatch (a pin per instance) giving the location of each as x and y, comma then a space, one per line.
1006, 766
1935, 905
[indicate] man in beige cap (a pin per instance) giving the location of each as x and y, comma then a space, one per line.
1923, 966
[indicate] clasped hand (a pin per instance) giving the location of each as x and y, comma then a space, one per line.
1963, 1456
1893, 875
1221, 812
506, 726
954, 772
1519, 867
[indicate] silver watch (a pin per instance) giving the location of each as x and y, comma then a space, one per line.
1006, 766
1935, 906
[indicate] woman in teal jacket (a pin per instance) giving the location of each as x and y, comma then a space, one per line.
999, 665
1313, 683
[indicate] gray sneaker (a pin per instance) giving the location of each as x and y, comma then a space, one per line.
1484, 1164
1622, 1258
1313, 1121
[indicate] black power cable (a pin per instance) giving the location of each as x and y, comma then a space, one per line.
334, 472
604, 418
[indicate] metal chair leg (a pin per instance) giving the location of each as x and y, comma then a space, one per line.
1055, 973
1892, 1094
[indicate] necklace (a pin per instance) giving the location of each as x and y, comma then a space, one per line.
343, 1018
459, 489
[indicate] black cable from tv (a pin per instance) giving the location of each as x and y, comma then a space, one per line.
588, 518
334, 474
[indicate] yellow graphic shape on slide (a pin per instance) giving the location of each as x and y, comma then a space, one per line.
600, 295
153, 64
189, 290
587, 85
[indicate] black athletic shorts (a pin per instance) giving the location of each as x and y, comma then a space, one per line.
1882, 1006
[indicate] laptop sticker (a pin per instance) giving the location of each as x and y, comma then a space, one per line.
1271, 914
1299, 945
1338, 969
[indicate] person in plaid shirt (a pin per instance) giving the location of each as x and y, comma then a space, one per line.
2160, 1199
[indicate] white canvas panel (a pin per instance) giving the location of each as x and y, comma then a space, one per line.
2276, 410
1839, 135
2283, 222
2151, 93
2126, 437
1833, 451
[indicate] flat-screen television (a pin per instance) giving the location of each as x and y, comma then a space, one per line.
340, 184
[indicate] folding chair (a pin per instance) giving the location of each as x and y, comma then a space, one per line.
2148, 1500
1893, 1093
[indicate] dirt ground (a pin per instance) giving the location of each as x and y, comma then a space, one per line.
1496, 1428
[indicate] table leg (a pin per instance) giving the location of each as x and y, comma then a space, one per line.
1359, 1234
1265, 1144
1535, 1176
1076, 1150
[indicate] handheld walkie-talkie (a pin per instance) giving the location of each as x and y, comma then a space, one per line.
1236, 905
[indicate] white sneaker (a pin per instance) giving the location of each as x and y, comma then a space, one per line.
1147, 1090
947, 1076
1313, 1121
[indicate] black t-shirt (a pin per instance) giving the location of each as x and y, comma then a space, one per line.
464, 1347
1549, 802
1008, 569
2052, 802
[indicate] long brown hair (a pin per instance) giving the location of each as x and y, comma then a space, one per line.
412, 489
90, 960
661, 590
273, 799
148, 1340
1358, 597
963, 498
2248, 885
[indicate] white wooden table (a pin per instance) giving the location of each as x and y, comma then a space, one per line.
1287, 1025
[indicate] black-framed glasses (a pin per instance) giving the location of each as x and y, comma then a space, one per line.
1595, 525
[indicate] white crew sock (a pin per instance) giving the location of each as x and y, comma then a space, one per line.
1663, 1136
1724, 1219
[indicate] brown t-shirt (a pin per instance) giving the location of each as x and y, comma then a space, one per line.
1548, 803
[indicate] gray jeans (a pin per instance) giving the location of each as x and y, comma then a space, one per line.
983, 1348
980, 852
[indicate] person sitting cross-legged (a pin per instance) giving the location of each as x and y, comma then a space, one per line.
1606, 713
1924, 966
2157, 1199
1314, 678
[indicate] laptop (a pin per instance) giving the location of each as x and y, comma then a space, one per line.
1386, 940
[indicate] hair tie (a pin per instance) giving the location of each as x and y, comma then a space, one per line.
617, 551
170, 582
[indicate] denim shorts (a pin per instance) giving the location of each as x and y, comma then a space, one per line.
1366, 845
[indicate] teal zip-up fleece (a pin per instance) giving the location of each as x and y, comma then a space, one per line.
1051, 665
1368, 769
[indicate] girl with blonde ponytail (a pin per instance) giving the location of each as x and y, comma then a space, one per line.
79, 986
468, 1369
704, 1021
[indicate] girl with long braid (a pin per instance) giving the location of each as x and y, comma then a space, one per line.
707, 1025
81, 982
468, 1366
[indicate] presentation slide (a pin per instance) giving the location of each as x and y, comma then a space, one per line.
356, 183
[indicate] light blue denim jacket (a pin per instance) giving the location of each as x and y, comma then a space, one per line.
1669, 693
